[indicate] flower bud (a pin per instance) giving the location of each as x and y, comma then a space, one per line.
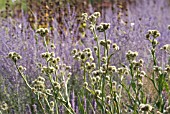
97, 92
96, 14
52, 104
85, 84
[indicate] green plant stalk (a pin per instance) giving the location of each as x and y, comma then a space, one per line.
120, 92
46, 100
56, 105
22, 75
132, 75
56, 99
98, 46
155, 63
128, 92
103, 77
66, 92
98, 57
70, 109
84, 72
65, 104
45, 43
111, 87
158, 87
137, 88
111, 92
87, 96
117, 104
41, 105
106, 48
134, 87
50, 77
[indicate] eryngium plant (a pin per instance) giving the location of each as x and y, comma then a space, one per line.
105, 88
119, 96
54, 92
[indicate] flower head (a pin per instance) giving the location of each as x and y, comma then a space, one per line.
103, 27
145, 107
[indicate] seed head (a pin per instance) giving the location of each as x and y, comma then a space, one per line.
91, 27
4, 106
93, 79
10, 55
53, 46
91, 58
85, 84
52, 54
145, 107
93, 65
155, 42
108, 77
48, 91
108, 98
141, 61
52, 104
103, 59
83, 56
166, 47
42, 31
58, 59
147, 36
103, 27
84, 16
69, 74
97, 92
92, 18
98, 78
41, 79
95, 48
57, 85
140, 84
74, 51
114, 83
115, 47
119, 87
102, 42
96, 14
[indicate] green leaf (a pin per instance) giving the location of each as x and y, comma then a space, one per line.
80, 105
133, 86
99, 104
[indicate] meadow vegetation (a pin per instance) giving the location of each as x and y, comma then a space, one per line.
72, 57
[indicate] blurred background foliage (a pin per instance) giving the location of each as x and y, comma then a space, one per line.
15, 4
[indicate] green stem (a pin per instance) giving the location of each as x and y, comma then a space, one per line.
84, 73
46, 100
117, 104
98, 46
45, 43
103, 80
106, 48
22, 75
41, 104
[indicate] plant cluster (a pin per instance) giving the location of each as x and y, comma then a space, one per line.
104, 85
83, 65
